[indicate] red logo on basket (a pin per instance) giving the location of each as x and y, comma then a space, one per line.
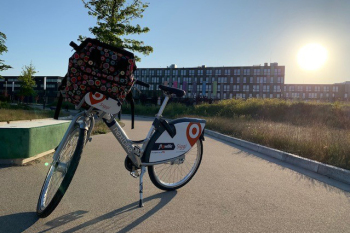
97, 98
193, 132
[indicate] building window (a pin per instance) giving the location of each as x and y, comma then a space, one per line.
159, 72
267, 71
256, 71
238, 79
246, 71
209, 72
217, 72
236, 72
235, 87
244, 80
271, 80
251, 80
227, 72
175, 72
256, 88
191, 72
276, 88
266, 88
335, 88
308, 88
245, 87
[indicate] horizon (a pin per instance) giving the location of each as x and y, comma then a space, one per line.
221, 34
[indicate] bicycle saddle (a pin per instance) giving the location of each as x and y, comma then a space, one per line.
172, 90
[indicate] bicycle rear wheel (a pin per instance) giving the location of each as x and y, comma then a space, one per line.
61, 172
175, 174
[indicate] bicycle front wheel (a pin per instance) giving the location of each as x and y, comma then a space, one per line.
61, 172
175, 174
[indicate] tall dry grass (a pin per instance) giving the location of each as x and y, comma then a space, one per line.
316, 142
20, 114
318, 131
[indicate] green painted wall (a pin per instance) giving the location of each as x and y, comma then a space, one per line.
16, 143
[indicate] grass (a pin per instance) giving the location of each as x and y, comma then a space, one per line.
100, 128
318, 131
320, 143
23, 112
19, 114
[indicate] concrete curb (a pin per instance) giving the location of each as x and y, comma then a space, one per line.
335, 173
21, 162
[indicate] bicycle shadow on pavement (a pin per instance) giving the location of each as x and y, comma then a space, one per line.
17, 222
64, 219
101, 223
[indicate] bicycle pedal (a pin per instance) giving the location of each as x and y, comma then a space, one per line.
90, 139
135, 173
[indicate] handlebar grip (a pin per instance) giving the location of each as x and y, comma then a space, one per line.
142, 83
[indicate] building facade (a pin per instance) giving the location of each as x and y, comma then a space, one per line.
217, 82
321, 92
260, 81
10, 86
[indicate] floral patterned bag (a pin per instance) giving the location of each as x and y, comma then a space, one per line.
99, 67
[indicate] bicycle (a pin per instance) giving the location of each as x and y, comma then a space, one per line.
172, 151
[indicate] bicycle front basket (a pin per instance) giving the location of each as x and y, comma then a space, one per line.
99, 67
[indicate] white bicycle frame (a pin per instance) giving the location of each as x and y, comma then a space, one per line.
86, 121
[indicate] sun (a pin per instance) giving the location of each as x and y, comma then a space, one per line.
312, 56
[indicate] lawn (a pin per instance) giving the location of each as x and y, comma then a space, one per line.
318, 131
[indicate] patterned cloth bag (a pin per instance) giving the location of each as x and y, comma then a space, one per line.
99, 67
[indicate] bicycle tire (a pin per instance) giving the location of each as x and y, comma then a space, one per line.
175, 168
71, 166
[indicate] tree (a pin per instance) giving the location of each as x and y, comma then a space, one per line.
113, 22
27, 80
3, 49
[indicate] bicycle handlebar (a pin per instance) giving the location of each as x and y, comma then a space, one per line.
142, 83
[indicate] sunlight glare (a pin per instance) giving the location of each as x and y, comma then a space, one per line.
312, 56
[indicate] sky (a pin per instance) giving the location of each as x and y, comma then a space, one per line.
189, 33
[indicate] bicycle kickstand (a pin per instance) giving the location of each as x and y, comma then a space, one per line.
143, 170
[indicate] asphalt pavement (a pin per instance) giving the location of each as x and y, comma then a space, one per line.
234, 190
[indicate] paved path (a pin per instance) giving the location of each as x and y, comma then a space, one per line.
234, 190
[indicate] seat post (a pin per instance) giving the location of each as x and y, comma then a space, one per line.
160, 112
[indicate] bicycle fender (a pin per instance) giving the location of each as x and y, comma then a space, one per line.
162, 146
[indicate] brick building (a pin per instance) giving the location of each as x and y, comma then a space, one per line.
259, 81
10, 85
217, 82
